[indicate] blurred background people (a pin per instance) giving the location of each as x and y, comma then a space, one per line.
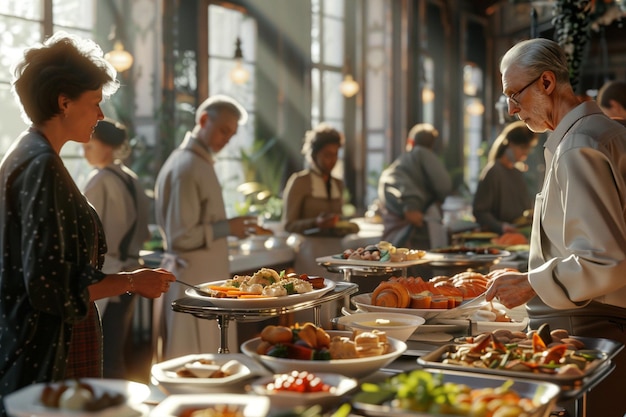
52, 240
123, 207
192, 220
313, 200
502, 194
411, 191
612, 100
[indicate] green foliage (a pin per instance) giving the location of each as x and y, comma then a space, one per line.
264, 165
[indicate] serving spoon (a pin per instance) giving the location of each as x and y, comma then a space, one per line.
198, 289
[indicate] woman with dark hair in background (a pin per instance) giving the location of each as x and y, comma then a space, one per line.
612, 100
51, 239
502, 194
313, 199
123, 207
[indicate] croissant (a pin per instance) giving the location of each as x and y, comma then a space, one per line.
391, 294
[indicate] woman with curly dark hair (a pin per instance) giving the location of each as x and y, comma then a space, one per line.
51, 239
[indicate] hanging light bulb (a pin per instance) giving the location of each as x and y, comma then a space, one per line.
121, 59
475, 108
348, 87
428, 95
239, 75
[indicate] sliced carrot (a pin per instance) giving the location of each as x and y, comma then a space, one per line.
254, 296
238, 293
222, 288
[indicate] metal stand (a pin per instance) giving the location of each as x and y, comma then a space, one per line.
201, 307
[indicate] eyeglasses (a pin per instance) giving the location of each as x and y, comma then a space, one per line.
514, 97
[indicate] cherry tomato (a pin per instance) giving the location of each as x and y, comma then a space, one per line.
298, 382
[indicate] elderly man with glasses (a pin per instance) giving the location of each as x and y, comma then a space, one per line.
576, 277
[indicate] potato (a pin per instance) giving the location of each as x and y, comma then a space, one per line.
574, 342
559, 334
277, 334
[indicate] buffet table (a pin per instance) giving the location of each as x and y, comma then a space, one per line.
406, 364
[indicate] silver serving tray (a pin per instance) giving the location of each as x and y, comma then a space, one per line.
466, 258
545, 393
610, 348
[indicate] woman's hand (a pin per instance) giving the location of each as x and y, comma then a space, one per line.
326, 220
149, 283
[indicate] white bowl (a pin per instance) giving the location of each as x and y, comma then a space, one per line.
341, 385
175, 405
397, 325
164, 373
354, 368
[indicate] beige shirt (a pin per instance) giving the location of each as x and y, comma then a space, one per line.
118, 210
578, 245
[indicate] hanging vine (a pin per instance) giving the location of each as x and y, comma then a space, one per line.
572, 20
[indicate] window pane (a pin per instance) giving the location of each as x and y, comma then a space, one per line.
220, 82
315, 38
225, 25
315, 95
334, 8
11, 123
14, 35
333, 42
374, 164
333, 100
29, 9
74, 13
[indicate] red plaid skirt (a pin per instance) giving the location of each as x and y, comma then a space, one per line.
85, 355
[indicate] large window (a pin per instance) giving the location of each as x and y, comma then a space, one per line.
23, 23
327, 56
227, 26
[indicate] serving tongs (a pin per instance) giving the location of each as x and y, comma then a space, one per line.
462, 311
199, 290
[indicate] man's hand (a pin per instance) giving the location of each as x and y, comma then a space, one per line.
239, 226
511, 288
415, 217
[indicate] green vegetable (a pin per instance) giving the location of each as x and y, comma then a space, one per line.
278, 351
290, 288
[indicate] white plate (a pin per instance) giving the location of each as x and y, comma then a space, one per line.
354, 368
364, 302
269, 302
175, 405
342, 385
25, 402
490, 326
165, 374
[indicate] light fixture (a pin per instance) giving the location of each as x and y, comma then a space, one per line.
239, 75
475, 107
121, 59
348, 87
428, 95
